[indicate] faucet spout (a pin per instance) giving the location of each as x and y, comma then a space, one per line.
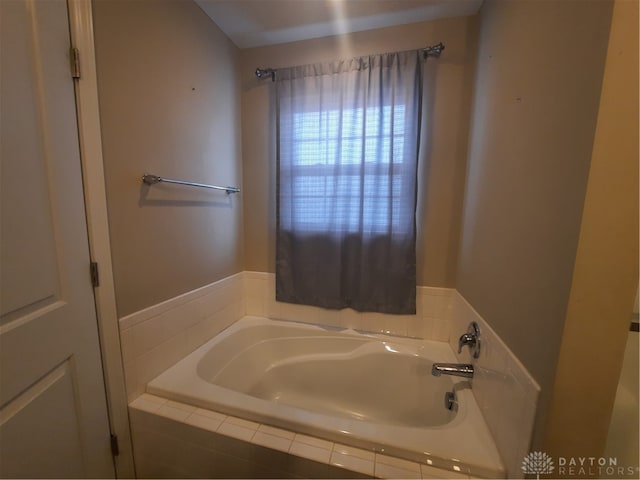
455, 369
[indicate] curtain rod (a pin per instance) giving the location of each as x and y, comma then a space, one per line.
432, 51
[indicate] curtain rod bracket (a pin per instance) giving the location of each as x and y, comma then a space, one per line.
266, 72
433, 51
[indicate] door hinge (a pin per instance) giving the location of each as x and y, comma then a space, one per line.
75, 62
115, 448
95, 276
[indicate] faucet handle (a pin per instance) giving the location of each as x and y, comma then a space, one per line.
471, 339
466, 339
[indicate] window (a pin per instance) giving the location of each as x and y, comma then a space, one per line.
347, 169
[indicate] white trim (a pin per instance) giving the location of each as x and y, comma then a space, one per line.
81, 25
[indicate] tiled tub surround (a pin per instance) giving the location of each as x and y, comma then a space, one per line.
430, 321
157, 337
177, 440
503, 388
371, 391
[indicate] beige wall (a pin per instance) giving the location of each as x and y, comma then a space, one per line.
534, 115
448, 91
605, 276
169, 105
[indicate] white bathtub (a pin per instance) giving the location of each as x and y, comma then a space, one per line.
366, 390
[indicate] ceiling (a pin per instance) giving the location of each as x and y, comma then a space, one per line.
254, 23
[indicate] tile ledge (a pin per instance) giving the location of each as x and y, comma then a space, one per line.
145, 399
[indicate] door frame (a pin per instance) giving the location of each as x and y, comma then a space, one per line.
89, 133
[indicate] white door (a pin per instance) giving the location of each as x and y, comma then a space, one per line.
53, 414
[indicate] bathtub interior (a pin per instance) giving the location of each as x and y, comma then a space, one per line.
344, 375
369, 390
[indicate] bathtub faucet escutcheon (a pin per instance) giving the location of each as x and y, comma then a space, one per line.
471, 339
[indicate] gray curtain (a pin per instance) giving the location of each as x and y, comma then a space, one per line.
348, 136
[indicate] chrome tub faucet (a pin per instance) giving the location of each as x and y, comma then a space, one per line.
469, 339
456, 369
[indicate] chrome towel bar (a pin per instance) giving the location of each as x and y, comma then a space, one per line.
150, 179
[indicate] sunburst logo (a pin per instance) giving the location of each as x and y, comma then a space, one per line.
537, 463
